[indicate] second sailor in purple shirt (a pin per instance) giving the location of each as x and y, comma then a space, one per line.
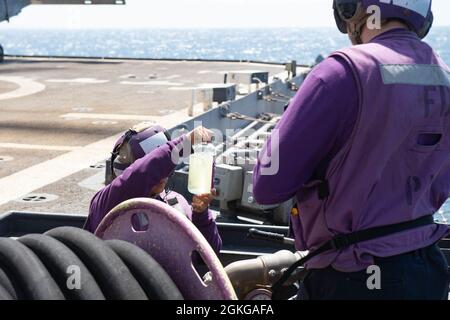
141, 164
363, 145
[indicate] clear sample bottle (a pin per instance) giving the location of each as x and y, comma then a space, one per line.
201, 164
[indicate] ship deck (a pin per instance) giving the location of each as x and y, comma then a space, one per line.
60, 117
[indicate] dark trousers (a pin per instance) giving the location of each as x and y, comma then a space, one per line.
419, 275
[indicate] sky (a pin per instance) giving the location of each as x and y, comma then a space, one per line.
192, 14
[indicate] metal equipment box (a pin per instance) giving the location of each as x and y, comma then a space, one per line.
224, 92
228, 181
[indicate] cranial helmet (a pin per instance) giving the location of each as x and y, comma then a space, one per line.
135, 144
416, 14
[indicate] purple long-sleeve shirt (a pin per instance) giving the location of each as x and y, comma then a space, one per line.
314, 128
317, 125
138, 180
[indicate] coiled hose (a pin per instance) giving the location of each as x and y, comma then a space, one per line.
72, 264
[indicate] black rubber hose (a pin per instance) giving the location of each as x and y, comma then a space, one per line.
4, 294
148, 272
110, 272
21, 264
7, 284
58, 259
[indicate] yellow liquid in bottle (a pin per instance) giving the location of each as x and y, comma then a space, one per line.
200, 173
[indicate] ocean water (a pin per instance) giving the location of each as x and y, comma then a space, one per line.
270, 45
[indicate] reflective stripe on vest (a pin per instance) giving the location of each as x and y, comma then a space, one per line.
415, 74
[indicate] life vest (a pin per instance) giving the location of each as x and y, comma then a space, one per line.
395, 166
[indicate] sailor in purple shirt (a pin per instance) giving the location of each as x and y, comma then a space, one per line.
365, 144
142, 163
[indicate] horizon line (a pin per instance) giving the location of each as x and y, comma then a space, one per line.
175, 28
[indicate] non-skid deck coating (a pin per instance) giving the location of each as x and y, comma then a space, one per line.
59, 117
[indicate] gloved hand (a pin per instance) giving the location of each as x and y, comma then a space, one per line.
200, 203
199, 135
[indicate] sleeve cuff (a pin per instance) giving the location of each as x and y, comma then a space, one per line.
181, 144
202, 219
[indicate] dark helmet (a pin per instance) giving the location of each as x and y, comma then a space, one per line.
135, 144
416, 14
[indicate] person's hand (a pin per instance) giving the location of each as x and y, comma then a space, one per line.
199, 135
200, 203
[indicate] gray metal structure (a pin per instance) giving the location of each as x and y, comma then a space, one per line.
241, 128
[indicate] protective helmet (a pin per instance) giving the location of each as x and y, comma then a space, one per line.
135, 144
416, 14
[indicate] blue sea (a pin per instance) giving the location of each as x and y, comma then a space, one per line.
269, 45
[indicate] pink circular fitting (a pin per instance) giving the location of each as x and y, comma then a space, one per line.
170, 238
